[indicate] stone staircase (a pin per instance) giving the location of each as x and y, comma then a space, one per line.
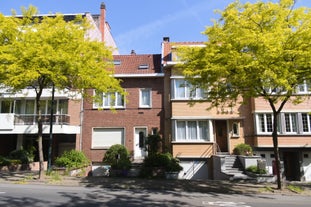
232, 167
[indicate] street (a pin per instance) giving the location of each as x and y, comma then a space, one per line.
48, 195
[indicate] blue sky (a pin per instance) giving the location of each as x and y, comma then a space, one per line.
140, 24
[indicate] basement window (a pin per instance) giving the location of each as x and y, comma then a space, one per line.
143, 66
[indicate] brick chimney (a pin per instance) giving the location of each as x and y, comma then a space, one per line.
102, 20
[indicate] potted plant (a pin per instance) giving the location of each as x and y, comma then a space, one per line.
172, 168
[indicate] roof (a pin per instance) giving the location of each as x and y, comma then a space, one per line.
137, 64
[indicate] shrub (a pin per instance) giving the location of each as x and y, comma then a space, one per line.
22, 155
72, 159
243, 149
256, 170
4, 161
118, 157
155, 164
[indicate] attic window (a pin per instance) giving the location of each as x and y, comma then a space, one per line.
143, 66
117, 62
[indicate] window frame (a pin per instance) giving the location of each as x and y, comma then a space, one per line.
107, 97
141, 104
188, 135
188, 90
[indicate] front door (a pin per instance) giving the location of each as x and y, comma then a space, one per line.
140, 143
291, 165
221, 135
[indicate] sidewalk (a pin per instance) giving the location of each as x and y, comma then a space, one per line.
202, 186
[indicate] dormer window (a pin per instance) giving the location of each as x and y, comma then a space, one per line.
143, 66
117, 62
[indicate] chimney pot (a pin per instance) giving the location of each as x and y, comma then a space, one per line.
166, 39
102, 5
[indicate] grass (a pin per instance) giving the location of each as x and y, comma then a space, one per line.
294, 188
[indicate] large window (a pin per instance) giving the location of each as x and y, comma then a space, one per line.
306, 122
110, 100
103, 138
265, 123
145, 98
192, 130
305, 87
184, 90
288, 123
291, 122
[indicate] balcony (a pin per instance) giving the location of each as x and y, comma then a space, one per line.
30, 119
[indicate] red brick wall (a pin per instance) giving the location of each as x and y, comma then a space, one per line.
128, 118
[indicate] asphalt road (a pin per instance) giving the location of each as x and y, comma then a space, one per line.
24, 195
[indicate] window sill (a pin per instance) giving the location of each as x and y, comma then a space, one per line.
192, 142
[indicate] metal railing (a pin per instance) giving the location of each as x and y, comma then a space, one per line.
30, 119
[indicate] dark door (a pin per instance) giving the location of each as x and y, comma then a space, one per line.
221, 135
291, 166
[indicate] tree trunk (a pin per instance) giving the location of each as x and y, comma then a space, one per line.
40, 134
276, 150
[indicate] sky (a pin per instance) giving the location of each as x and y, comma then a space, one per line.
140, 25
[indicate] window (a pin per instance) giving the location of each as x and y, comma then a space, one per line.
235, 129
305, 87
110, 100
184, 90
6, 106
145, 98
103, 138
192, 130
290, 122
265, 123
306, 122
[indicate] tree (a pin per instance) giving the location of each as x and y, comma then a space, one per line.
259, 50
44, 52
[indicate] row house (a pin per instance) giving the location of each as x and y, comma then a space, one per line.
197, 134
18, 128
126, 120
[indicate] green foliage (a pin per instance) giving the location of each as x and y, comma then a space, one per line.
295, 188
254, 169
4, 161
72, 159
156, 164
153, 143
243, 149
22, 155
118, 157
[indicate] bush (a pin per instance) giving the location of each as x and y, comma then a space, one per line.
72, 159
256, 170
156, 164
4, 161
22, 155
243, 149
118, 157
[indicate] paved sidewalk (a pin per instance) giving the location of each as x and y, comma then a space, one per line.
202, 186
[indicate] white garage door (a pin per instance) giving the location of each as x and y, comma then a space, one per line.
106, 137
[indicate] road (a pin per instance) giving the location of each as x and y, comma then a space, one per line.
24, 195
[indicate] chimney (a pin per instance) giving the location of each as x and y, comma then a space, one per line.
133, 52
102, 20
166, 39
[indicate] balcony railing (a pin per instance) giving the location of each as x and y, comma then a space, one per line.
30, 119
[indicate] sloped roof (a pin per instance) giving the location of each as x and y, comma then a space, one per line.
137, 64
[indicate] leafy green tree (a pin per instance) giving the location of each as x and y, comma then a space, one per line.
42, 52
259, 50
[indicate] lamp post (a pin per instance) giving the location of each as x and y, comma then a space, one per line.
51, 130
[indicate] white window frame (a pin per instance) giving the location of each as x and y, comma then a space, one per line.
188, 135
141, 98
266, 121
107, 103
188, 92
291, 123
306, 123
304, 88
